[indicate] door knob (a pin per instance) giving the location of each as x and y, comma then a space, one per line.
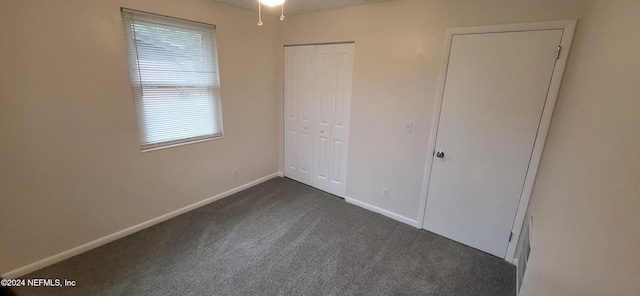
440, 154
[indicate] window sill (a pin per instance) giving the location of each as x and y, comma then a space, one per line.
181, 144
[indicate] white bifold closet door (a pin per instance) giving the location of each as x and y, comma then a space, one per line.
299, 99
317, 107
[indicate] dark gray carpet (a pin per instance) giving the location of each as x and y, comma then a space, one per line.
281, 238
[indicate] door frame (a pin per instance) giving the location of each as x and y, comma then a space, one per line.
568, 27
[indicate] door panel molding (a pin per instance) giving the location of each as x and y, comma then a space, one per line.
568, 27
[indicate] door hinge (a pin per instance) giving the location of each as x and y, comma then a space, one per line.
510, 236
558, 52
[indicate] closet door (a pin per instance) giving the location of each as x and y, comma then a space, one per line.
324, 96
340, 114
317, 107
299, 95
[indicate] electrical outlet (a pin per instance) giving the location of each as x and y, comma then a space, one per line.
408, 127
235, 173
385, 193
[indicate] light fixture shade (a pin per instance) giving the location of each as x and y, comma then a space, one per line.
271, 2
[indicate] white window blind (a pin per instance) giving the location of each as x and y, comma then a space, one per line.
174, 72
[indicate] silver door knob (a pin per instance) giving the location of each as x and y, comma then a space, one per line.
440, 154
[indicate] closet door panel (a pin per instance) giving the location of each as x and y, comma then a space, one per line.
340, 113
292, 59
305, 123
325, 56
317, 107
299, 89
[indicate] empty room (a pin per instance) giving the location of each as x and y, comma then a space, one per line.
320, 147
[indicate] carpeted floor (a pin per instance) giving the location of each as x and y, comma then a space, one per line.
281, 238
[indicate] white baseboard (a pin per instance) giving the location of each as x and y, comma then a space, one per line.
382, 211
122, 233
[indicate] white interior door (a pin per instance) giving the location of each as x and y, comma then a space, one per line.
299, 90
340, 117
495, 91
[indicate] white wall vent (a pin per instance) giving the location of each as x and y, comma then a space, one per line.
525, 252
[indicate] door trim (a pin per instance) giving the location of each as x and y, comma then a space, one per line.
568, 27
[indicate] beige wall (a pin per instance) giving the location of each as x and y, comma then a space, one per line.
71, 170
397, 61
587, 194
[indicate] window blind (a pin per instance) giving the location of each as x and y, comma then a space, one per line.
174, 74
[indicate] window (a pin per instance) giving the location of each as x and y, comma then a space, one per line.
174, 72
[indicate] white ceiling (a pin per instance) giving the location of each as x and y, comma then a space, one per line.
300, 6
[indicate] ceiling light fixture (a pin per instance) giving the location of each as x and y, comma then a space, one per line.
269, 3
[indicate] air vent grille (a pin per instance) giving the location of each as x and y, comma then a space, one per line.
525, 252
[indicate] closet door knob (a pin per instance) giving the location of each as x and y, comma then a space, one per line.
440, 154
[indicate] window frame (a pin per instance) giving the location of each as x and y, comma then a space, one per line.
129, 17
